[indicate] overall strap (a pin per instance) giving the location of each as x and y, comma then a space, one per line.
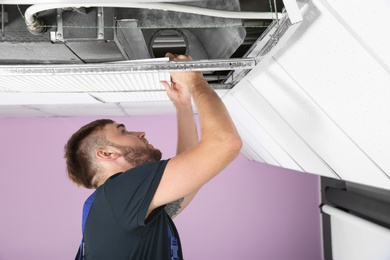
174, 244
86, 208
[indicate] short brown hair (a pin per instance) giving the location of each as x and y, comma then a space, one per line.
78, 153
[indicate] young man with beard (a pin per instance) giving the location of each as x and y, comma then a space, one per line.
137, 194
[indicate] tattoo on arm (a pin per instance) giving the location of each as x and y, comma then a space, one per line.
173, 207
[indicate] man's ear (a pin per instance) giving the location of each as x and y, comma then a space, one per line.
107, 154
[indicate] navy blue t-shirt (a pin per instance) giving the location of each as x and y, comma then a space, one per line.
116, 227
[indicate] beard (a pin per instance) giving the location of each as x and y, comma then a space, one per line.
139, 155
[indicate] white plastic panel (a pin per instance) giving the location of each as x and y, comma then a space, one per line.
356, 238
369, 94
324, 99
350, 87
366, 20
276, 125
325, 138
256, 140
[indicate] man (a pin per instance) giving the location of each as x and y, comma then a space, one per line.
137, 194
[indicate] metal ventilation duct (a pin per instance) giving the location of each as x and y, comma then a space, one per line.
205, 37
128, 81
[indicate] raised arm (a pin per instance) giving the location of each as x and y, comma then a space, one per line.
186, 127
187, 135
219, 145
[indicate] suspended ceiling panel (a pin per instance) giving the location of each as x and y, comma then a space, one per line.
8, 98
323, 100
60, 110
21, 111
366, 21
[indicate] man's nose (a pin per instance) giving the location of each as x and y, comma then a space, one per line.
140, 135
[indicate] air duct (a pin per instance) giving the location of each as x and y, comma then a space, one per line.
202, 37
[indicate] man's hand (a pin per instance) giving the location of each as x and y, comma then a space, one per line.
179, 95
182, 79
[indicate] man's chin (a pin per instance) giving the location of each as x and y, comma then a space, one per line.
157, 155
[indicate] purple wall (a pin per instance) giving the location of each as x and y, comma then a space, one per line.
250, 211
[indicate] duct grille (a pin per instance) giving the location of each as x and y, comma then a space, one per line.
107, 87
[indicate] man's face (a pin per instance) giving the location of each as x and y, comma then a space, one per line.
134, 147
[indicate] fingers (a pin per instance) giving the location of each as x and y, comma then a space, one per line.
178, 56
169, 55
166, 85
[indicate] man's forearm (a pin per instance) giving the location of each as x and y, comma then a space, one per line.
186, 128
187, 138
216, 123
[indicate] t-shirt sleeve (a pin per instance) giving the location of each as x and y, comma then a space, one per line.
130, 193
